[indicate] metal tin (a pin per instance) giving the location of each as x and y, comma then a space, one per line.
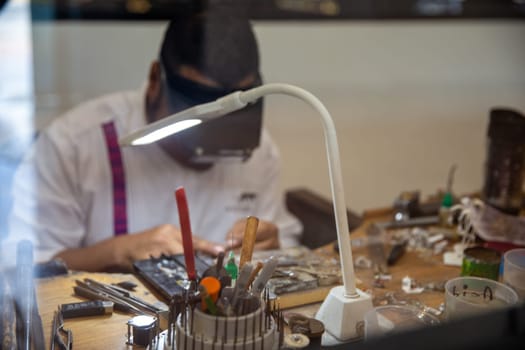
481, 262
141, 330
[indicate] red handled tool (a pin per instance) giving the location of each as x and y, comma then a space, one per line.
187, 243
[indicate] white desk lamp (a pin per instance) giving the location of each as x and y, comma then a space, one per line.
343, 310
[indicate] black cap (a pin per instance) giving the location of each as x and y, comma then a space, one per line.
221, 45
506, 124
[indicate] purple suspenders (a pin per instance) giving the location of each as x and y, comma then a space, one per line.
120, 216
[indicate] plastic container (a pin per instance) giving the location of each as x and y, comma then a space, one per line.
389, 319
465, 296
514, 271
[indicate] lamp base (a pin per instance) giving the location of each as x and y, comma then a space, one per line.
343, 316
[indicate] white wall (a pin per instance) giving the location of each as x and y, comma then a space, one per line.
408, 98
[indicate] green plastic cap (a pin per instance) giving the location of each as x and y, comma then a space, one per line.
448, 200
230, 267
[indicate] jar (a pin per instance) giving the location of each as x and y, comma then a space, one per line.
505, 161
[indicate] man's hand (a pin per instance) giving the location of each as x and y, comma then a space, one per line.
120, 252
267, 235
164, 239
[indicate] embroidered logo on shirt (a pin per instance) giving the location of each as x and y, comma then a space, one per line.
247, 196
244, 202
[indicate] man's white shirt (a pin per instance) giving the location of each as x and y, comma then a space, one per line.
63, 194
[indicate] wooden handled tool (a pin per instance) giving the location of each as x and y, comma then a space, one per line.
248, 240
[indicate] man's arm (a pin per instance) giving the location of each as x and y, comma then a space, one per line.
119, 253
47, 210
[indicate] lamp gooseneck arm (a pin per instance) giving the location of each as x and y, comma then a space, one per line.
334, 168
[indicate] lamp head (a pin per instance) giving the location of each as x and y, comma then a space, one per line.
230, 137
189, 100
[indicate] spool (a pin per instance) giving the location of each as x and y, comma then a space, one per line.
209, 288
481, 262
212, 285
296, 341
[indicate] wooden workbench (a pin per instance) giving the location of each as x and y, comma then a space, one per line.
420, 267
98, 332
110, 332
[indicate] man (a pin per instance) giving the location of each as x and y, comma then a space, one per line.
99, 207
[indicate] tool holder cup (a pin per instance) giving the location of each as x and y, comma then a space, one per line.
196, 329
